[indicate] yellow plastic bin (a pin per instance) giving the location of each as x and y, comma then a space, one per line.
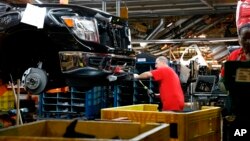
199, 125
7, 101
53, 130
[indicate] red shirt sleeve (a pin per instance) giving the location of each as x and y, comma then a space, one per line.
157, 74
236, 55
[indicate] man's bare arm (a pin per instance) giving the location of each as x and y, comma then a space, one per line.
144, 75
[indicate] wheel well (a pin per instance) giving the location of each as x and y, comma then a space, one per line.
24, 49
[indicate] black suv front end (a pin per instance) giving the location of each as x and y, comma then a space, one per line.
77, 46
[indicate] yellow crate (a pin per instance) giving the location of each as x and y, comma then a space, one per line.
200, 125
7, 101
48, 130
138, 107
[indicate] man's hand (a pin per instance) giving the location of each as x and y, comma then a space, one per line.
157, 95
136, 76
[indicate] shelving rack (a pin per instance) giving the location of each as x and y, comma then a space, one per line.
124, 93
71, 104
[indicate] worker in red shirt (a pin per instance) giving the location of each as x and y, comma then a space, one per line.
232, 122
171, 93
243, 29
242, 53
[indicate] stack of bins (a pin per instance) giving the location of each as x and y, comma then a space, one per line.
199, 125
7, 101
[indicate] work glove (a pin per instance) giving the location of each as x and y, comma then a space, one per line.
136, 76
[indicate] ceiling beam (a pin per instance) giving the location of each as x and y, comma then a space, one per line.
194, 40
208, 3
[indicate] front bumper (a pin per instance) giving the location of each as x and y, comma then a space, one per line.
83, 68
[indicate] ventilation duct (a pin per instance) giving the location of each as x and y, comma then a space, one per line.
156, 30
219, 52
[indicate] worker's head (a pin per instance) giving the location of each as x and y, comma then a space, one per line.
161, 61
243, 25
244, 39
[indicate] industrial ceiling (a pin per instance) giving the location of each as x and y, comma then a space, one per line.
159, 8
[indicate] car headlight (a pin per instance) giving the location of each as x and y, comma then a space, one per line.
84, 28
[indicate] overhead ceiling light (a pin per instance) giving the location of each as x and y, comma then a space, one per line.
143, 45
38, 1
170, 24
164, 47
202, 36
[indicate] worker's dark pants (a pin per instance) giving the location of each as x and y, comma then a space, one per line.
239, 128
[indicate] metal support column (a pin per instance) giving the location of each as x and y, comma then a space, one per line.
104, 7
118, 6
